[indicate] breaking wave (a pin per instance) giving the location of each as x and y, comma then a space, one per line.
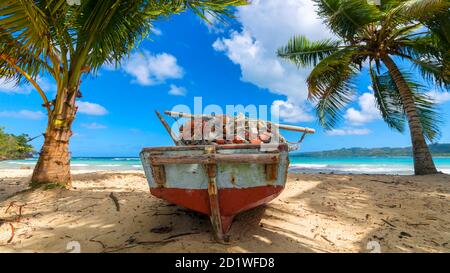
357, 168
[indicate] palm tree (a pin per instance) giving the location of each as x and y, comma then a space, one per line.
68, 40
412, 31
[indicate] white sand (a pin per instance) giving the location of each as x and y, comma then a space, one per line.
315, 213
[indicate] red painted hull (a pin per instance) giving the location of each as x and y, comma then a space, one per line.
231, 200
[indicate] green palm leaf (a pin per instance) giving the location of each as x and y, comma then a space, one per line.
389, 105
330, 85
11, 50
100, 26
28, 22
420, 9
426, 108
434, 15
429, 116
428, 58
347, 17
304, 52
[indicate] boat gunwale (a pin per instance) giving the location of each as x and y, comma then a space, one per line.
278, 148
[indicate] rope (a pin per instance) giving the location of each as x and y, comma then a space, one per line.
295, 145
179, 135
299, 141
33, 138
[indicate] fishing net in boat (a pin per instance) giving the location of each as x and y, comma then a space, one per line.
224, 129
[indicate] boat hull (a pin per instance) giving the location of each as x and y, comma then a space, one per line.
232, 201
219, 181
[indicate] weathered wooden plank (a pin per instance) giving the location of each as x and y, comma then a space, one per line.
247, 158
271, 172
281, 147
174, 148
214, 159
213, 192
181, 159
159, 175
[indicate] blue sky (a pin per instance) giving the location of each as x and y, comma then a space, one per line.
183, 59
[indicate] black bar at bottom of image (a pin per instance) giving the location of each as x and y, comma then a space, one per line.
230, 262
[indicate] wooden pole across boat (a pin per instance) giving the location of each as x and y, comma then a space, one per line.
168, 129
280, 126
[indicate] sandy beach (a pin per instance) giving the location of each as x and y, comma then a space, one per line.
315, 213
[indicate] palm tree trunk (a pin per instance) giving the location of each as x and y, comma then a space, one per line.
53, 166
423, 161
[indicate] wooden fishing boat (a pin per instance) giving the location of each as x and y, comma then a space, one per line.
217, 180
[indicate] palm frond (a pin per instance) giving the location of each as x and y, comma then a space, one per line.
110, 29
423, 46
428, 58
434, 72
347, 17
67, 40
425, 106
304, 52
13, 52
219, 9
28, 22
439, 25
389, 105
432, 14
429, 116
331, 87
420, 9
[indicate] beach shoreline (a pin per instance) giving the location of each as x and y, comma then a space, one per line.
315, 213
310, 165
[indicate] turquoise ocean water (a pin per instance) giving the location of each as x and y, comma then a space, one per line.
357, 165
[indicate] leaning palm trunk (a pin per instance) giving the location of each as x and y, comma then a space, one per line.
423, 161
369, 33
53, 165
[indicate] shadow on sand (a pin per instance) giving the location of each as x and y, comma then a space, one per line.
334, 213
51, 219
383, 213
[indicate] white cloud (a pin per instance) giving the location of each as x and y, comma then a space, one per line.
289, 112
148, 69
348, 132
439, 97
177, 90
24, 114
368, 112
93, 126
90, 108
46, 84
260, 69
7, 86
266, 26
156, 31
